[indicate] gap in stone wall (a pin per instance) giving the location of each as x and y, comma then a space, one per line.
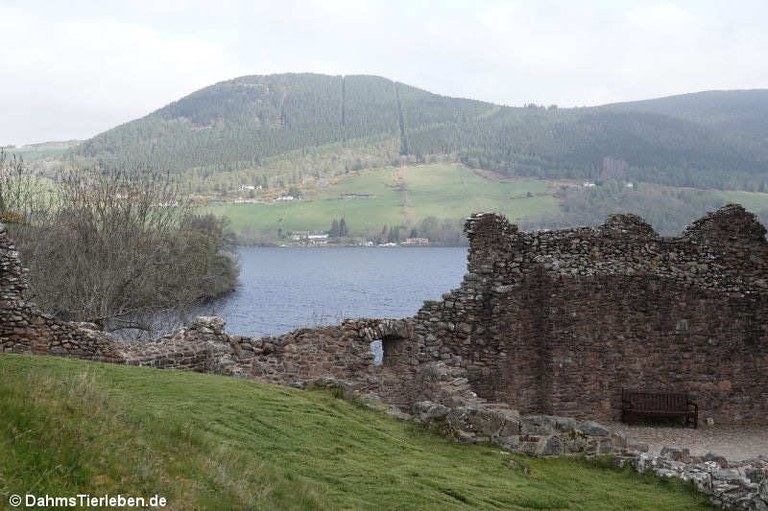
393, 351
377, 348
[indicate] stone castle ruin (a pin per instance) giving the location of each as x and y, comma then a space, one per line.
559, 322
549, 322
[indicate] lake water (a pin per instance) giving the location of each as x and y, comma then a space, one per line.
282, 289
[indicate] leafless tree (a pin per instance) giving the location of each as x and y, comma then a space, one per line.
120, 246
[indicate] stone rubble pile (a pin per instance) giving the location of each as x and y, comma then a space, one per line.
453, 409
728, 484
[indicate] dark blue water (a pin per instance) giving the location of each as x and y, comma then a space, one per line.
282, 289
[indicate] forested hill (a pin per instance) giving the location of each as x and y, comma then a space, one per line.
705, 140
739, 111
241, 122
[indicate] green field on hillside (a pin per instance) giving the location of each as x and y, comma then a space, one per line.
210, 442
34, 152
395, 196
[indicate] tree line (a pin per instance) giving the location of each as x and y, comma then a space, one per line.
113, 245
667, 209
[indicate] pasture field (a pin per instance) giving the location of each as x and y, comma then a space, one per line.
34, 152
395, 196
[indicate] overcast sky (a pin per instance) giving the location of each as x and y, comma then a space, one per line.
71, 69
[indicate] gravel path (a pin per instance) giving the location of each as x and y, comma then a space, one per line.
735, 443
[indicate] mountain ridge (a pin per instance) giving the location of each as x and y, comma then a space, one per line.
244, 123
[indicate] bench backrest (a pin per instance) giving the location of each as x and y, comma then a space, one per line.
657, 400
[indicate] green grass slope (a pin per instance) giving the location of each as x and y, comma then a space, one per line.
208, 442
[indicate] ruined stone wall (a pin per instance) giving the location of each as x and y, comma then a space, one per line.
546, 322
341, 352
559, 322
551, 323
25, 329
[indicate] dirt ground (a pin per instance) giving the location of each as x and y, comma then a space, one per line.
732, 442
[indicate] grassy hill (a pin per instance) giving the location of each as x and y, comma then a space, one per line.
383, 154
208, 442
242, 123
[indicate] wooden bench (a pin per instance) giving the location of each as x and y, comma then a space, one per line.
636, 403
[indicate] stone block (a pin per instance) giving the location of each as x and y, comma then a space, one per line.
510, 443
477, 420
676, 454
428, 411
716, 460
554, 446
531, 445
763, 490
565, 424
537, 425
729, 475
511, 425
593, 428
487, 422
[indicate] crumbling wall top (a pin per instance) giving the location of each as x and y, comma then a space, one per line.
488, 225
725, 225
491, 238
12, 277
726, 250
627, 223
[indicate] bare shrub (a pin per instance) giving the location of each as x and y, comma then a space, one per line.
120, 244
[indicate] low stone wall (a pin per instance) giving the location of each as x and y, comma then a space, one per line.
341, 352
450, 407
25, 329
728, 484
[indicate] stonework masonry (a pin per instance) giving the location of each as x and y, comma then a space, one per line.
549, 323
559, 322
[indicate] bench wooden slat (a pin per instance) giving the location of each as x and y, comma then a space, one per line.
640, 403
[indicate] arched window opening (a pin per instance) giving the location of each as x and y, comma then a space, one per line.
377, 348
